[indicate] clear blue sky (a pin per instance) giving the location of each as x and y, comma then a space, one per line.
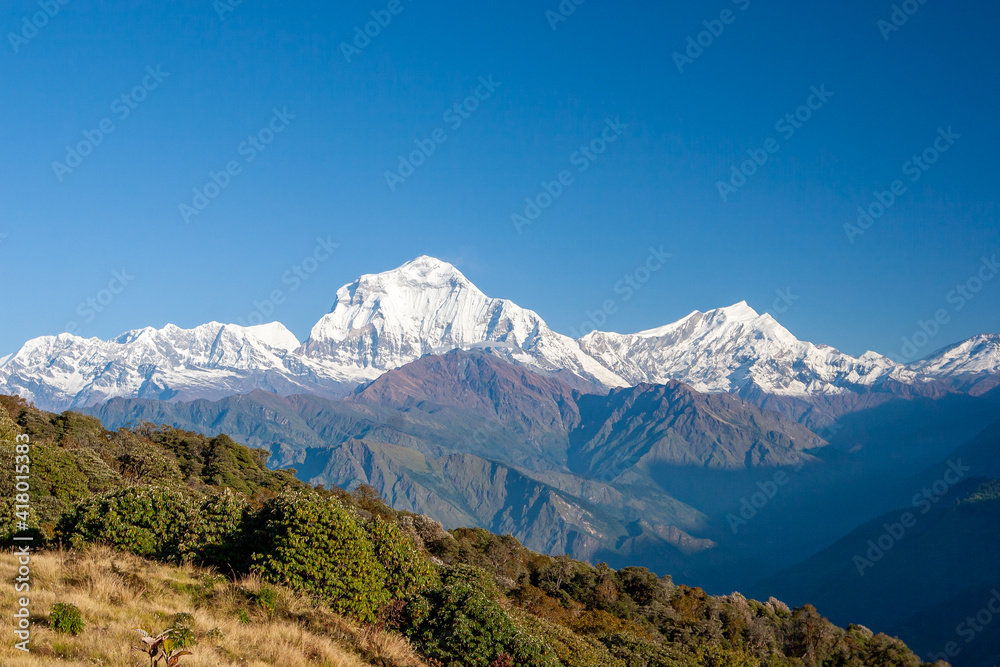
324, 174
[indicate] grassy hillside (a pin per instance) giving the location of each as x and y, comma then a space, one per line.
232, 623
207, 541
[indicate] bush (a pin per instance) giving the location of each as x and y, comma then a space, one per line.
407, 570
65, 618
572, 650
151, 522
181, 633
463, 624
218, 536
265, 599
8, 429
315, 545
139, 460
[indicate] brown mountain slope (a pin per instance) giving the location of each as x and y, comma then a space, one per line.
638, 427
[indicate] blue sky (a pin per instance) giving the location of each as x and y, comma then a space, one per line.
343, 125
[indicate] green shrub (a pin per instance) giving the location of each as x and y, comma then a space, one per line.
217, 538
139, 460
181, 632
65, 618
152, 522
408, 571
8, 428
572, 650
463, 624
315, 545
266, 599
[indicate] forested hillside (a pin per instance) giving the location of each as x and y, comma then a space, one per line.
325, 560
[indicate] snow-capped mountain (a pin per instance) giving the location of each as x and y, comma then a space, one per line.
972, 365
979, 354
733, 349
209, 361
383, 321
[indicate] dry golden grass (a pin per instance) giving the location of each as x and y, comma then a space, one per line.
118, 592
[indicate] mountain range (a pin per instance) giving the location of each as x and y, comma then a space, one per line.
472, 439
382, 321
718, 448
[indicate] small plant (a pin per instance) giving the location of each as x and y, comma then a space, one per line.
181, 637
180, 633
162, 646
172, 653
65, 618
216, 633
151, 646
266, 599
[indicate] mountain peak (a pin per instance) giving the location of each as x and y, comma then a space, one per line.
738, 312
423, 272
979, 354
385, 320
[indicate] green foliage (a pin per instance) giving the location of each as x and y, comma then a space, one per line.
147, 521
229, 464
139, 460
266, 599
988, 491
65, 618
217, 537
407, 570
145, 455
465, 625
175, 495
571, 649
642, 586
180, 632
884, 651
8, 428
219, 461
315, 545
646, 621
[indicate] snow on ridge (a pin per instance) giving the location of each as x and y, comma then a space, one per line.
979, 354
382, 321
734, 349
